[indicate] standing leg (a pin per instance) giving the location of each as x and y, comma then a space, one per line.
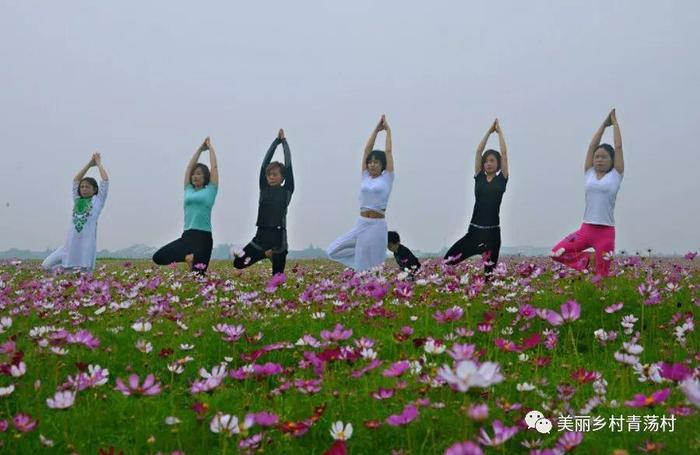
54, 259
467, 246
202, 252
279, 260
493, 245
569, 251
343, 248
370, 250
604, 245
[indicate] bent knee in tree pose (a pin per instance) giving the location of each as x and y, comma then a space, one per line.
364, 247
201, 186
80, 248
603, 167
276, 189
484, 233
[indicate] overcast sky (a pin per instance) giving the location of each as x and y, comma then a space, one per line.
145, 82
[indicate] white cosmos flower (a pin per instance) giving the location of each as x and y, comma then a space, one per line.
144, 346
141, 326
469, 374
172, 420
62, 400
186, 347
18, 370
46, 442
525, 387
434, 347
6, 391
340, 432
224, 423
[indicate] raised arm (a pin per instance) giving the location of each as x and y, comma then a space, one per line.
387, 146
504, 149
213, 164
268, 158
595, 142
480, 148
81, 173
370, 143
97, 158
193, 162
289, 173
619, 158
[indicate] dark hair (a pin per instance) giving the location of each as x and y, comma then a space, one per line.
611, 151
378, 155
91, 181
394, 237
496, 155
273, 165
205, 171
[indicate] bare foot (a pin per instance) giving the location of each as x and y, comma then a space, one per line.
268, 253
189, 259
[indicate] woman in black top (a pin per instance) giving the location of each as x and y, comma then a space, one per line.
270, 240
484, 234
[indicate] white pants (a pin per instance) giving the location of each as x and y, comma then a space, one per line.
54, 259
363, 247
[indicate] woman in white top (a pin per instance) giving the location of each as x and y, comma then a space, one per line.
364, 247
80, 248
604, 168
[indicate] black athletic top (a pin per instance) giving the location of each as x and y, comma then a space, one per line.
488, 199
406, 259
273, 202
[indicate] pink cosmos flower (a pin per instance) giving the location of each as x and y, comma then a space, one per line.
461, 351
478, 412
83, 337
408, 415
276, 280
61, 400
570, 311
569, 441
265, 419
451, 314
148, 388
641, 401
690, 255
24, 423
396, 369
231, 333
339, 333
382, 394
464, 448
614, 307
501, 434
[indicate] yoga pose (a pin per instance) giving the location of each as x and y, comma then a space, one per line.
604, 167
201, 186
365, 246
484, 234
276, 188
80, 248
405, 258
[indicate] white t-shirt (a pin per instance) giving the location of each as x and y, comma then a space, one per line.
600, 197
81, 246
374, 192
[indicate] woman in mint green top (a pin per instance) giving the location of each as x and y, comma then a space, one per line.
201, 186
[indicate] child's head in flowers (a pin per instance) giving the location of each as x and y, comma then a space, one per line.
394, 240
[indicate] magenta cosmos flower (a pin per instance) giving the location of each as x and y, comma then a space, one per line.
501, 434
570, 311
24, 423
338, 333
641, 401
464, 448
408, 415
149, 386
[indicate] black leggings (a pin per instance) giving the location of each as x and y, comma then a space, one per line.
265, 239
193, 241
477, 241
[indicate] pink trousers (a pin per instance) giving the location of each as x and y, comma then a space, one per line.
570, 250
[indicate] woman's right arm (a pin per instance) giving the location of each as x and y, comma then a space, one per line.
595, 142
370, 143
480, 149
193, 162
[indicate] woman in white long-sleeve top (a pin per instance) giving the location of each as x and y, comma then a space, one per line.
364, 246
80, 249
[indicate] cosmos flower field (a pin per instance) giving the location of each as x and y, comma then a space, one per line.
137, 359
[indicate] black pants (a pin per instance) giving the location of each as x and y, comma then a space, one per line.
265, 239
195, 242
477, 241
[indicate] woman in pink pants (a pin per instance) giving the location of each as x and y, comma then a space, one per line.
604, 168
